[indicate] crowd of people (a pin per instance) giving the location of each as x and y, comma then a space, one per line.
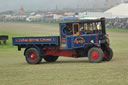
116, 23
121, 23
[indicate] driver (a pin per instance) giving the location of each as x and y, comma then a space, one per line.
68, 29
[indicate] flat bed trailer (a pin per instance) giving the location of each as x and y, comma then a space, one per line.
3, 38
79, 38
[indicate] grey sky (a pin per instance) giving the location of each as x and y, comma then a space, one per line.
48, 4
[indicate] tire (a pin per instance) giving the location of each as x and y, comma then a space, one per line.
32, 56
108, 54
50, 58
95, 55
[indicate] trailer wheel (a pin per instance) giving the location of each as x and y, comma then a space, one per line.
32, 56
95, 55
108, 54
50, 58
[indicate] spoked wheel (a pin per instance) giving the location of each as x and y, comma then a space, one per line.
108, 54
95, 55
50, 58
32, 56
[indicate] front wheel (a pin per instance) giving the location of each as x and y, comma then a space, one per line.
32, 56
50, 58
95, 55
108, 54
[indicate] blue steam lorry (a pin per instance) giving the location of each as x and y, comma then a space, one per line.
78, 38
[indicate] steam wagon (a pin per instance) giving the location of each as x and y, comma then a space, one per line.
78, 38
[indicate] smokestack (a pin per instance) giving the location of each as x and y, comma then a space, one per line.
21, 11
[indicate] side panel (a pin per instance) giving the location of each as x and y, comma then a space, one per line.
85, 39
63, 40
36, 40
69, 42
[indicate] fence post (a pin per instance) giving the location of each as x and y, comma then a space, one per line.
4, 42
0, 42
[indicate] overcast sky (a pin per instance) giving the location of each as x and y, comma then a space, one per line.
48, 4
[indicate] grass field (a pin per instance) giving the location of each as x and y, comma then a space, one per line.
66, 71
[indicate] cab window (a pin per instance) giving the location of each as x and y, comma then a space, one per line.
76, 29
68, 29
91, 27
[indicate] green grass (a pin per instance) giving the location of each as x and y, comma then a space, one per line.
117, 30
24, 22
66, 71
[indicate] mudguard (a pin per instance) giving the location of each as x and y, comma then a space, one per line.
34, 46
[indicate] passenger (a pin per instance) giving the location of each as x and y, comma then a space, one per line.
82, 31
88, 31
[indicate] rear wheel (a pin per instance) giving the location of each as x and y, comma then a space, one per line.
32, 56
50, 58
108, 54
95, 55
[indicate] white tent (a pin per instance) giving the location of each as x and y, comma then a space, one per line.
119, 10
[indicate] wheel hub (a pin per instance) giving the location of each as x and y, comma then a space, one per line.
32, 56
105, 55
95, 55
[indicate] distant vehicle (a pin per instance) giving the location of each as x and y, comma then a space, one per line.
78, 38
